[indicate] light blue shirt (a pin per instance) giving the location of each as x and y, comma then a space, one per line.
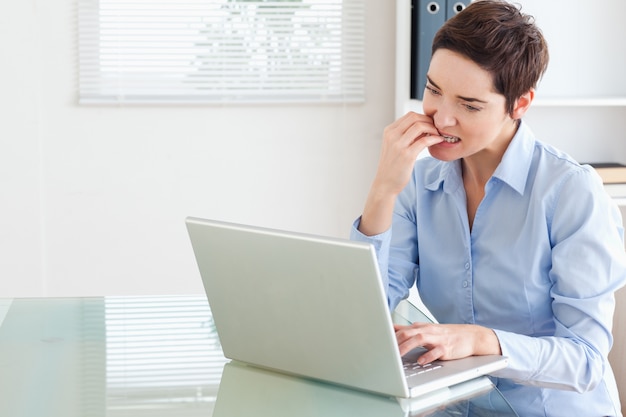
540, 267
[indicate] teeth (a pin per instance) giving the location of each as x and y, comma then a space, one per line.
450, 139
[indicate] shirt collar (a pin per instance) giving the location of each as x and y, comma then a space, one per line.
512, 170
515, 164
449, 175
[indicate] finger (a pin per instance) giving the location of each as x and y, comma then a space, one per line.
421, 129
409, 339
413, 126
402, 334
413, 328
427, 141
430, 355
405, 122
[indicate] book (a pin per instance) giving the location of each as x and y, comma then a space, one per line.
610, 172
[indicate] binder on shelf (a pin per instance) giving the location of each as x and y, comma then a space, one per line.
427, 16
610, 172
455, 6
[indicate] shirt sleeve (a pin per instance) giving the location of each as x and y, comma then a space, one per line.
395, 282
588, 266
397, 247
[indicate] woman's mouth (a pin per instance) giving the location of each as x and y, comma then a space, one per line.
450, 139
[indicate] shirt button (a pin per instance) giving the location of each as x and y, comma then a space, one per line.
467, 265
465, 284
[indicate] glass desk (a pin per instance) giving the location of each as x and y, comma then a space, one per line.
160, 357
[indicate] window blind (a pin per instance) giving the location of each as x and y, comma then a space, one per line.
208, 51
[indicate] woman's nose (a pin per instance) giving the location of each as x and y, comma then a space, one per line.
443, 117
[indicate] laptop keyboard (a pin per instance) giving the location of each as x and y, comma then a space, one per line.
413, 368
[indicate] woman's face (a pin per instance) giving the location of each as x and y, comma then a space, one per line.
465, 108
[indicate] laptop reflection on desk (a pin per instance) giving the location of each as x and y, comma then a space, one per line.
250, 391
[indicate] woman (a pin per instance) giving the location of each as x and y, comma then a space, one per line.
514, 247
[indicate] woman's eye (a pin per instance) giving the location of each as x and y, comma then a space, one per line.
471, 108
432, 90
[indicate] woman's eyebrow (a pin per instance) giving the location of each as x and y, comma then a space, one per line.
470, 99
432, 82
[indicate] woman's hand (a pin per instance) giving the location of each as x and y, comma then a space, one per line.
447, 341
403, 140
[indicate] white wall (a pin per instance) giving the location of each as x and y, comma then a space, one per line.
93, 199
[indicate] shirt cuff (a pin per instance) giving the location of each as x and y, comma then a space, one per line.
379, 241
521, 355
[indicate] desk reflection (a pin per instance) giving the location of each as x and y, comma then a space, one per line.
161, 357
246, 390
109, 357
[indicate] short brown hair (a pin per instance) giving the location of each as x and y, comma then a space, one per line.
502, 40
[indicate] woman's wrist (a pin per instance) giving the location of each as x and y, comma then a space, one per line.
486, 342
378, 213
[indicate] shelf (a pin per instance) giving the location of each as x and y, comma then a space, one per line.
581, 102
416, 105
620, 201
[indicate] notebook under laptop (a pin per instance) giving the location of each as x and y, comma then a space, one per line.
311, 306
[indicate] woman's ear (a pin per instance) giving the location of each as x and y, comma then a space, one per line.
522, 104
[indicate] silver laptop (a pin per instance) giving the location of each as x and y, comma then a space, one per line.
311, 306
